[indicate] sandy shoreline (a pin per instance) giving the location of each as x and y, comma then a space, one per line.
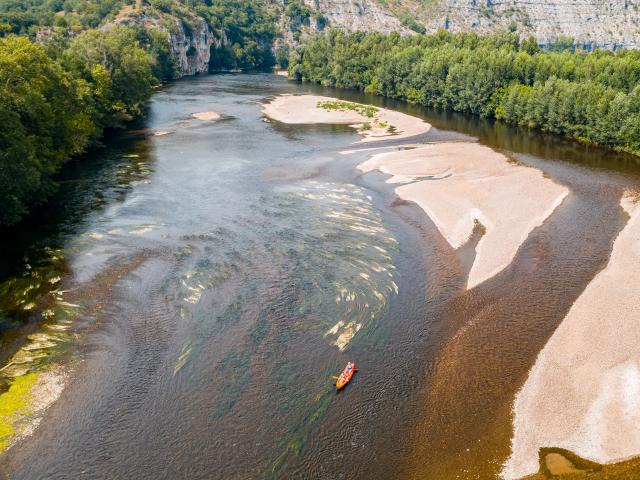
458, 184
583, 393
305, 109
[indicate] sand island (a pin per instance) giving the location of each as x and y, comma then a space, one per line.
582, 393
372, 122
206, 116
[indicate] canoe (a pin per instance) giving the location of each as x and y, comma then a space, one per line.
346, 375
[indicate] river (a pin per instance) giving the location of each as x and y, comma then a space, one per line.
194, 292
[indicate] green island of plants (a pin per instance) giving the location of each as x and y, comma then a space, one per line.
368, 111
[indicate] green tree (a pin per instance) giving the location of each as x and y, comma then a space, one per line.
44, 121
119, 70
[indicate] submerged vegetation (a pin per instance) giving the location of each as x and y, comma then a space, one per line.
593, 97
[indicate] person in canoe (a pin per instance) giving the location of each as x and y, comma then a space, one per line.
346, 375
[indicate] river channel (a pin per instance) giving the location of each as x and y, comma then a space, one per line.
191, 289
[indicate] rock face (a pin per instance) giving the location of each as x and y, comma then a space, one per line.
191, 39
193, 50
608, 24
592, 23
357, 15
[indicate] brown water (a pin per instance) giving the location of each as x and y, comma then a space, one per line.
202, 276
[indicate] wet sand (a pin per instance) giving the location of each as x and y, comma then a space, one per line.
305, 109
584, 391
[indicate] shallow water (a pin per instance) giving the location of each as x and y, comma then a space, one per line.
200, 288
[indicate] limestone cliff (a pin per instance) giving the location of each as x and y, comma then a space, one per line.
190, 37
592, 23
357, 15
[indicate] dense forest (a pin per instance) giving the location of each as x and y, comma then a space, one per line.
56, 101
592, 97
63, 81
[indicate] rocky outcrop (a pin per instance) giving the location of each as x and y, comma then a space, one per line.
357, 15
591, 23
190, 37
608, 24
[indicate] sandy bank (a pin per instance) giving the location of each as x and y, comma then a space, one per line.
307, 109
206, 116
460, 183
583, 393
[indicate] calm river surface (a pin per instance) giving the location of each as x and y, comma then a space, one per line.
197, 290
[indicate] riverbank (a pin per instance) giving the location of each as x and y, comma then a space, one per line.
458, 184
484, 77
582, 394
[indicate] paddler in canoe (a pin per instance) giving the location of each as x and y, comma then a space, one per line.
346, 375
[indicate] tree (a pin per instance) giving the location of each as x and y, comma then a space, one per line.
42, 113
118, 69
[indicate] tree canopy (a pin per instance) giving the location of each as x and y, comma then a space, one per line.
55, 104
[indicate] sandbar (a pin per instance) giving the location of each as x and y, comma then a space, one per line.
306, 109
460, 183
583, 393
206, 116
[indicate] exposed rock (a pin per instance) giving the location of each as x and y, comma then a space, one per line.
592, 23
353, 15
190, 37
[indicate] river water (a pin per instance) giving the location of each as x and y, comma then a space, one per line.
195, 291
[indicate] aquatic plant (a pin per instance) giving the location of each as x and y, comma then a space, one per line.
14, 405
368, 111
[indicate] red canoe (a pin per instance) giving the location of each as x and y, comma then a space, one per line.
346, 375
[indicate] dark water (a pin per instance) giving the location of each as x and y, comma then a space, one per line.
200, 288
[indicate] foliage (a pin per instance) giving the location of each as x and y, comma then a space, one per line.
594, 97
56, 102
296, 9
368, 111
43, 118
409, 21
24, 16
118, 69
250, 29
282, 57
